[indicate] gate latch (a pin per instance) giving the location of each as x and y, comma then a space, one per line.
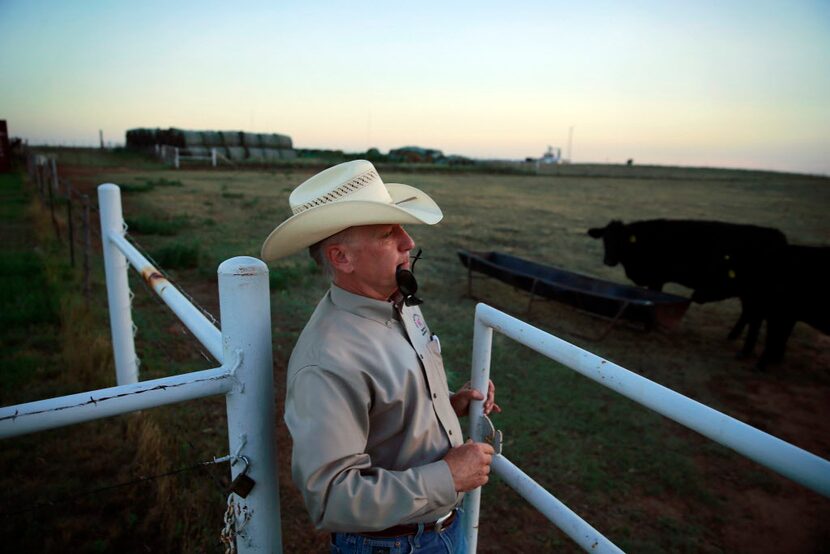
489, 433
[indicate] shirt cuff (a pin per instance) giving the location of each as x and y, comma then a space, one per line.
439, 477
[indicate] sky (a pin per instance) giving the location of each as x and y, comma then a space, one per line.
742, 84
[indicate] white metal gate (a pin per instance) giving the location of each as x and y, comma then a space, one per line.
242, 347
783, 457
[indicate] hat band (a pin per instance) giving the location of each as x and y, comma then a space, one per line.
352, 185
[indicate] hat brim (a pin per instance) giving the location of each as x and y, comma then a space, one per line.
409, 206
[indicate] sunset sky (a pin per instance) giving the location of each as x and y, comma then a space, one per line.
725, 83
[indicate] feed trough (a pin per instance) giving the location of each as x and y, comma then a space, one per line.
589, 294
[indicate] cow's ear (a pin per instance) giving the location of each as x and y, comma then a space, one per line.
596, 232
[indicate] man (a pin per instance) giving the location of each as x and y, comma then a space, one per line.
378, 453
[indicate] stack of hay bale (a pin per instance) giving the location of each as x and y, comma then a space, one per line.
238, 146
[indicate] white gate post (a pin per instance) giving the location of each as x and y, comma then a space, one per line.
482, 345
213, 157
55, 182
118, 287
245, 308
176, 156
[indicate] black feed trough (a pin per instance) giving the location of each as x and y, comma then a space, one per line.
589, 294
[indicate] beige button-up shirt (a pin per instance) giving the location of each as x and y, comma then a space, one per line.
367, 405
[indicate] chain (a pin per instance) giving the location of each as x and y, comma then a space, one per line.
227, 535
233, 527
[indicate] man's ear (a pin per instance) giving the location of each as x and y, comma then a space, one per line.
339, 258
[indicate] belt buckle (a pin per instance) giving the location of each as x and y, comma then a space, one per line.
439, 525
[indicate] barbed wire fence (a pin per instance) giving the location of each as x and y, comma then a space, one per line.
77, 228
56, 192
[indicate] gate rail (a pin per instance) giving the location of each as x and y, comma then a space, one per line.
243, 347
795, 463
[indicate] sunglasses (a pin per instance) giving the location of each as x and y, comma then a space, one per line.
407, 283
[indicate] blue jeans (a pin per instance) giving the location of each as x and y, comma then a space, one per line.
449, 541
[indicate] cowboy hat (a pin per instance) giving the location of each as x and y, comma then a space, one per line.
342, 196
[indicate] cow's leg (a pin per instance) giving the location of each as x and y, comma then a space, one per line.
753, 315
751, 335
779, 330
739, 325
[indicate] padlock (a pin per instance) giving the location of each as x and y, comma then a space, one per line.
242, 483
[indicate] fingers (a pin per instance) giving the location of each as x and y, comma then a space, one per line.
490, 403
486, 449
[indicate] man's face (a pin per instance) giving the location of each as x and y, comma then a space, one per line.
373, 253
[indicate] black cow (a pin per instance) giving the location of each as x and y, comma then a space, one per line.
791, 286
690, 253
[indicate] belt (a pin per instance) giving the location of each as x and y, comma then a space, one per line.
412, 528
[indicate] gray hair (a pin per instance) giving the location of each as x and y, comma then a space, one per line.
317, 251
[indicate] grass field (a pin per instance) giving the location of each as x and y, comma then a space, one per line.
646, 483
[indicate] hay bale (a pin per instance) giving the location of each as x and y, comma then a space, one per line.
271, 154
251, 140
237, 153
192, 138
171, 137
256, 154
141, 138
212, 138
231, 138
197, 151
273, 140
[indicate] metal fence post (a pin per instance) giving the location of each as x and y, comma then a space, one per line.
245, 307
482, 345
118, 287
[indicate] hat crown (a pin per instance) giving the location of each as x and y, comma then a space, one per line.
356, 180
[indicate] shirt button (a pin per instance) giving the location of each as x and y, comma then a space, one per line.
435, 395
421, 356
450, 431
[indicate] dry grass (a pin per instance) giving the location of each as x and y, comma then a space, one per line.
648, 484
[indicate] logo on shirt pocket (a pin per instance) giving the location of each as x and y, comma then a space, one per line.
419, 323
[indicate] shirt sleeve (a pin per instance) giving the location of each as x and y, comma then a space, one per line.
327, 414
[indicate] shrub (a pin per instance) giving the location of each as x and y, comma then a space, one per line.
145, 225
149, 185
177, 256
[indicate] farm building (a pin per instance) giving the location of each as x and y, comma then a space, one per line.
416, 154
234, 145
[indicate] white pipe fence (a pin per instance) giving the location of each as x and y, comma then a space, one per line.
243, 347
785, 458
173, 156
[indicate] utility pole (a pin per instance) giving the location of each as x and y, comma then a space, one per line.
570, 144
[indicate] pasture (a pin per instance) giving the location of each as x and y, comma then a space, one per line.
646, 483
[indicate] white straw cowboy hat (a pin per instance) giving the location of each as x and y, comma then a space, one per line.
343, 196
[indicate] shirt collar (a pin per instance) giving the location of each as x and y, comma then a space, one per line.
381, 311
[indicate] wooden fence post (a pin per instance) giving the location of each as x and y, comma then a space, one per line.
70, 222
87, 245
52, 211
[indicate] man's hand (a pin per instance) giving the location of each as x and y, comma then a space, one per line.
470, 465
460, 401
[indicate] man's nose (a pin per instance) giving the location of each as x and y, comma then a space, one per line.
405, 242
